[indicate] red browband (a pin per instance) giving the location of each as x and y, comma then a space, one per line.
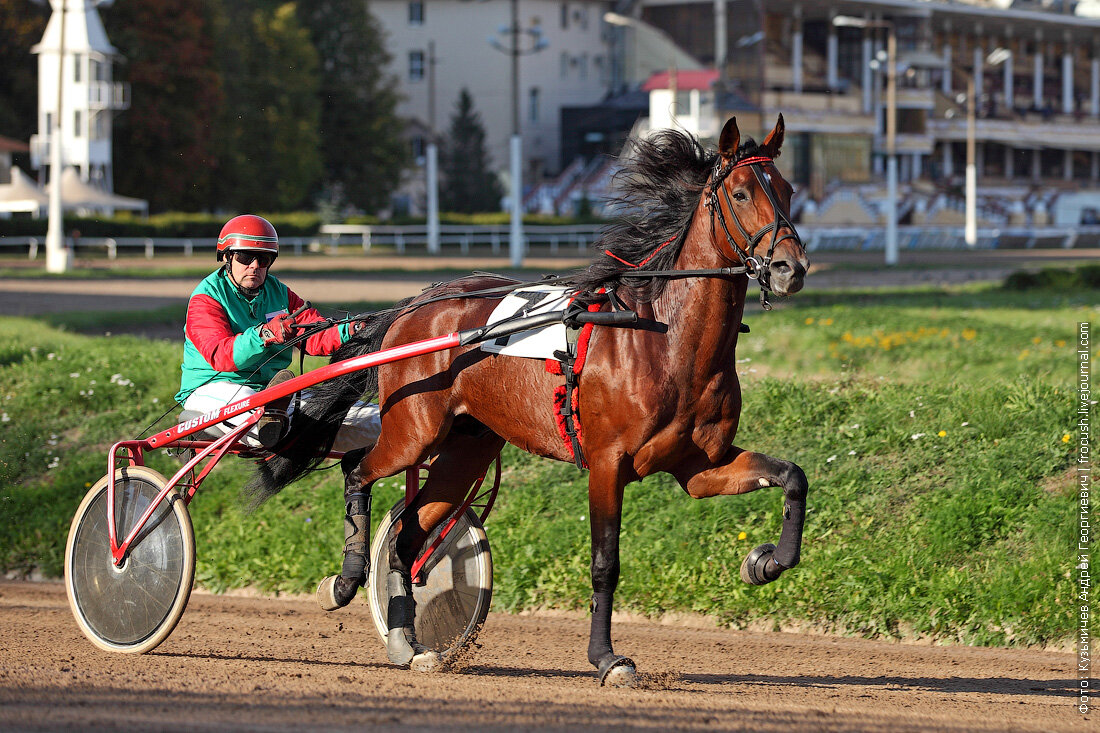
750, 161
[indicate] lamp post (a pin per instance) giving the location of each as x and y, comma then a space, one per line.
58, 258
431, 165
515, 49
996, 57
891, 126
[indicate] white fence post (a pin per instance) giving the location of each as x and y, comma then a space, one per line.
112, 249
148, 249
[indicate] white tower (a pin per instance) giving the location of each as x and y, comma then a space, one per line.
87, 95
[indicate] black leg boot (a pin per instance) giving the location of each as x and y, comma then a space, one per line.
336, 591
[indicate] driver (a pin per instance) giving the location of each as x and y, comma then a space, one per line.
239, 321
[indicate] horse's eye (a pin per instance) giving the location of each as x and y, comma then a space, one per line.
740, 196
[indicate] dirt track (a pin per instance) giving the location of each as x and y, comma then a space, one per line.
236, 664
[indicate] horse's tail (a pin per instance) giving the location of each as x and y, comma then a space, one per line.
315, 424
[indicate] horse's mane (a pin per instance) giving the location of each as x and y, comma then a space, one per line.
658, 190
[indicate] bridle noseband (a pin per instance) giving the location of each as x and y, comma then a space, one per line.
756, 268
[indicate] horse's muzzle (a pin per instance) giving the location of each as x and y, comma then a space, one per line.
787, 277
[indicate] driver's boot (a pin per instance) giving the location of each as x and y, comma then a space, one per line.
273, 424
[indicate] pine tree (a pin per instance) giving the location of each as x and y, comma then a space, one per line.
362, 143
469, 183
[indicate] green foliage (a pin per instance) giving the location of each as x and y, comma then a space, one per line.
362, 149
268, 143
939, 463
21, 26
1051, 278
470, 183
170, 224
163, 143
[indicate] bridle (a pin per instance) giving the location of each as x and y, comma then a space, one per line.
755, 268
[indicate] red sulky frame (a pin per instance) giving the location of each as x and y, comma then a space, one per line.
132, 452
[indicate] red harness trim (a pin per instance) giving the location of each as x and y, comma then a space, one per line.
652, 254
554, 367
750, 161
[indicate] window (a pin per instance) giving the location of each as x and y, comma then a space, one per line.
416, 65
418, 149
583, 66
565, 15
564, 64
77, 126
533, 104
416, 13
78, 64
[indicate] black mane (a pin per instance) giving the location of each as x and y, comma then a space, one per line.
658, 191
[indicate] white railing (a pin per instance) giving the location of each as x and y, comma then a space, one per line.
575, 240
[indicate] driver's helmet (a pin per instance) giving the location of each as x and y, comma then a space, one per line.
248, 232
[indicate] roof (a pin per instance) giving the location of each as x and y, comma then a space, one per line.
687, 79
7, 145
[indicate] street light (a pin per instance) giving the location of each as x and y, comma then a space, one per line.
970, 229
847, 21
515, 49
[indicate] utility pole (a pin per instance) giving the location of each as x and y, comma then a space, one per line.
432, 164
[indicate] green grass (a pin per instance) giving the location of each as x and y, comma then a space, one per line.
931, 425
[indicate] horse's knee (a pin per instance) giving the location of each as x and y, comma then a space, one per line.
794, 483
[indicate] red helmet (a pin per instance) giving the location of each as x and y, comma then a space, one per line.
248, 232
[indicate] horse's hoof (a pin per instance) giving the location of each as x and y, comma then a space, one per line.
618, 672
758, 567
428, 660
328, 595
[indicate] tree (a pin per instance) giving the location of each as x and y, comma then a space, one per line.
268, 130
470, 185
21, 26
362, 145
163, 145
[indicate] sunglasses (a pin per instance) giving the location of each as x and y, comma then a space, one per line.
247, 258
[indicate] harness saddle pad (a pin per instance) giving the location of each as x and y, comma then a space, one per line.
539, 343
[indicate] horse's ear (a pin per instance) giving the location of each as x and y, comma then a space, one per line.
730, 139
774, 140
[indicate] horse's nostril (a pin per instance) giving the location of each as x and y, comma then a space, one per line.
781, 267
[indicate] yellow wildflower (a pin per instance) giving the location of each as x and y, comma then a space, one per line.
942, 433
741, 535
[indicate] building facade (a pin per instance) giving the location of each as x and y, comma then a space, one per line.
89, 96
1035, 68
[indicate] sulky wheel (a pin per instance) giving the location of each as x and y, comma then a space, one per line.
134, 607
453, 601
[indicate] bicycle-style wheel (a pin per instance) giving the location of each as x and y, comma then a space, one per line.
453, 601
131, 608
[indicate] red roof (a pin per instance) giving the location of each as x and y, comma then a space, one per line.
687, 79
7, 145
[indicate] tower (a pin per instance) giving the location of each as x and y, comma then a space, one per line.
88, 96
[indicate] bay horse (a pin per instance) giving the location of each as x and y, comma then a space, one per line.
660, 398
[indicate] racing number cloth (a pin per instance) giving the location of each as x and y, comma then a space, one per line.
223, 340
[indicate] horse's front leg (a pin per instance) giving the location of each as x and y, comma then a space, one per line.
605, 507
740, 472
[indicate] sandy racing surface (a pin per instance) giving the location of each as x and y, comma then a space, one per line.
236, 664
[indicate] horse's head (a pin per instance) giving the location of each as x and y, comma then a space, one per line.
747, 189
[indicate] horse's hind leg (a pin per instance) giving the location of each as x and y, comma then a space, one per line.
462, 459
336, 591
744, 471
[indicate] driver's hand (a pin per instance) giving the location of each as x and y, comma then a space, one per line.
278, 330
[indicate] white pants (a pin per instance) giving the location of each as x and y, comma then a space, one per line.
361, 427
